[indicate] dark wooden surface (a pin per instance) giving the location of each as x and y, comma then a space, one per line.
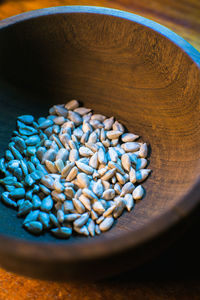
170, 277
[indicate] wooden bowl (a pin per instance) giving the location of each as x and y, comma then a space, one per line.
121, 65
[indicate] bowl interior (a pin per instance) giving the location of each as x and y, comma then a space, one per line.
119, 68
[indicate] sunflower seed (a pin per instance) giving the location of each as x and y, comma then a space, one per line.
127, 189
91, 227
34, 227
49, 155
32, 216
109, 174
50, 166
113, 134
26, 119
142, 174
46, 123
106, 224
120, 204
129, 137
72, 174
71, 217
92, 137
60, 216
69, 192
78, 206
25, 208
36, 201
82, 110
138, 192
143, 151
98, 207
58, 186
58, 196
126, 162
85, 201
83, 230
62, 154
74, 117
84, 151
82, 220
5, 198
17, 193
129, 201
85, 168
62, 232
141, 163
73, 104
47, 204
118, 126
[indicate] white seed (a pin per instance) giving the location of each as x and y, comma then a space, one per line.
109, 211
129, 201
60, 111
92, 146
85, 201
118, 126
102, 135
133, 157
91, 227
97, 230
109, 174
72, 174
83, 180
82, 220
73, 155
120, 178
138, 192
78, 206
71, 217
103, 170
69, 192
68, 206
106, 224
85, 168
109, 194
108, 123
119, 169
114, 180
127, 189
130, 146
129, 137
73, 104
94, 161
83, 230
62, 154
78, 193
96, 124
89, 194
98, 207
47, 181
132, 175
60, 216
113, 134
59, 120
113, 154
120, 204
58, 186
142, 174
74, 117
59, 165
94, 215
58, 196
50, 166
106, 184
117, 188
67, 169
126, 162
92, 137
106, 143
114, 142
82, 110
102, 156
84, 151
143, 150
100, 219
98, 188
49, 155
78, 132
141, 163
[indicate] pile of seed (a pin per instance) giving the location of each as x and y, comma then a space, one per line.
73, 171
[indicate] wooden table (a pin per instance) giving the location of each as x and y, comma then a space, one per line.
173, 275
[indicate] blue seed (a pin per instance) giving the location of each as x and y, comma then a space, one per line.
9, 180
62, 232
34, 227
32, 140
8, 155
31, 167
47, 204
18, 173
44, 189
29, 180
2, 165
9, 188
20, 202
15, 152
19, 144
25, 208
29, 195
18, 185
45, 124
35, 160
44, 219
24, 167
31, 150
26, 119
17, 193
32, 216
36, 175
5, 198
54, 220
36, 201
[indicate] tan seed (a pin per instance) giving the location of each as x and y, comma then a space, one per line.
106, 224
138, 192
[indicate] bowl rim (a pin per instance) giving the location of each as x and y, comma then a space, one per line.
19, 247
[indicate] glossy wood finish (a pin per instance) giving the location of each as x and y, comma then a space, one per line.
116, 65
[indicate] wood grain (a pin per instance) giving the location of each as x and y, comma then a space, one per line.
111, 290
